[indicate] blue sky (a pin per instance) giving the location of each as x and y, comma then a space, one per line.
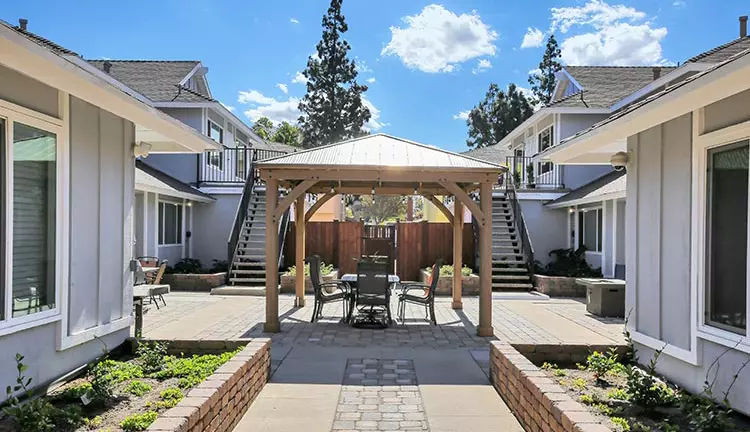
429, 61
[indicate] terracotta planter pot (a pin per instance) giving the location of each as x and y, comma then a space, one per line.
469, 284
288, 282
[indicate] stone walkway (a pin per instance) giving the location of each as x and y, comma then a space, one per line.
328, 376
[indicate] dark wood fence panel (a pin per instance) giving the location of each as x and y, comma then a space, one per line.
418, 245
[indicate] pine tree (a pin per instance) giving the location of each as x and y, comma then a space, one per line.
499, 113
543, 82
332, 108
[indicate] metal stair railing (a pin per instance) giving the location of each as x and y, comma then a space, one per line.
523, 233
248, 191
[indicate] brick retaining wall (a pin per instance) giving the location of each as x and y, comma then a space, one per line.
564, 354
537, 401
558, 286
198, 282
188, 347
219, 402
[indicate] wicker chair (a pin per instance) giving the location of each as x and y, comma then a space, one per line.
322, 296
426, 297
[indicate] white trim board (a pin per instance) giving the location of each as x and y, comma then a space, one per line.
589, 200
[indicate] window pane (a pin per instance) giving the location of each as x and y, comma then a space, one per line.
727, 237
215, 132
178, 231
170, 224
599, 231
580, 229
34, 193
3, 148
589, 230
161, 217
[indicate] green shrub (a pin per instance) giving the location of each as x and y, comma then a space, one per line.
73, 393
107, 373
579, 384
447, 270
568, 262
621, 423
602, 364
138, 422
186, 266
137, 388
192, 370
604, 409
92, 423
548, 366
171, 397
587, 399
219, 266
325, 270
704, 415
645, 389
151, 356
618, 394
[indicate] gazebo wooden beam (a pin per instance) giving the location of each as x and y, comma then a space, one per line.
485, 267
462, 196
380, 176
386, 189
458, 243
272, 324
295, 193
318, 204
440, 206
299, 251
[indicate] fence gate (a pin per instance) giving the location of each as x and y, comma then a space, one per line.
380, 240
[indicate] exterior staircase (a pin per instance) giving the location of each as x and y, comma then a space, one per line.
510, 247
249, 265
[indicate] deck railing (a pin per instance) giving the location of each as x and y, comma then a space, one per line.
231, 166
542, 175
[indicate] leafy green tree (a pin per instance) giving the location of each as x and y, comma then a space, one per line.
379, 209
543, 82
499, 113
288, 134
332, 109
263, 127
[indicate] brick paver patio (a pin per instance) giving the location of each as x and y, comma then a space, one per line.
328, 376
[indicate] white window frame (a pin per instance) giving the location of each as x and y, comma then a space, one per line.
161, 219
212, 154
701, 145
581, 232
14, 113
540, 149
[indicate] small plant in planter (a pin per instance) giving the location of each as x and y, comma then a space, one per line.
530, 176
325, 270
517, 179
447, 270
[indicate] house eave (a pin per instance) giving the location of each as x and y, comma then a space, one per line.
542, 113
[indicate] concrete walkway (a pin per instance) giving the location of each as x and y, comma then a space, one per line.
325, 388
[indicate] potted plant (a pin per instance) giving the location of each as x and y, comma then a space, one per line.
530, 176
517, 179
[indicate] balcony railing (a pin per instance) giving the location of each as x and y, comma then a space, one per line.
541, 175
231, 166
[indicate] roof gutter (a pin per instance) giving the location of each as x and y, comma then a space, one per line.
725, 80
67, 74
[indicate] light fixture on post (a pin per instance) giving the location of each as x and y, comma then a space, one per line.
416, 191
141, 149
333, 190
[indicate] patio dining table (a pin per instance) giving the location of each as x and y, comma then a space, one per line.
351, 279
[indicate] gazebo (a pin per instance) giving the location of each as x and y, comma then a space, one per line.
379, 164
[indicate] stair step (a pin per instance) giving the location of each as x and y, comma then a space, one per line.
511, 276
240, 290
248, 280
249, 272
510, 270
248, 263
512, 285
517, 262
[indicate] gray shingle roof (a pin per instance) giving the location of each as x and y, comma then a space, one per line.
158, 80
722, 52
496, 153
276, 146
44, 42
149, 176
605, 85
602, 187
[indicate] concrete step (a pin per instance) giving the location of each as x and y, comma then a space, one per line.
512, 286
247, 280
240, 263
508, 261
510, 277
249, 272
507, 270
240, 290
254, 257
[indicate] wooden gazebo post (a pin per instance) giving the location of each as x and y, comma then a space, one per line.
458, 230
272, 257
485, 255
299, 259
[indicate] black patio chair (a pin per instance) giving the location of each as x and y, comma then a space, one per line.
373, 294
425, 298
340, 292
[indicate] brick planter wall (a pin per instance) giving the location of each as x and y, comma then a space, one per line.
194, 282
558, 286
219, 402
538, 403
469, 284
289, 282
564, 354
188, 347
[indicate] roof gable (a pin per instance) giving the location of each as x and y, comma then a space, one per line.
380, 150
155, 79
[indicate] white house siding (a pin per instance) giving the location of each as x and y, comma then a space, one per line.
658, 252
548, 228
212, 225
183, 167
101, 201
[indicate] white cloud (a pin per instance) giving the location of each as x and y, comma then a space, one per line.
437, 40
283, 88
293, 20
482, 65
362, 66
534, 38
679, 4
462, 115
253, 97
595, 13
374, 123
371, 80
228, 107
264, 106
299, 78
614, 35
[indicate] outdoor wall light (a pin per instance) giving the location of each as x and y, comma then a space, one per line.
619, 160
372, 191
416, 192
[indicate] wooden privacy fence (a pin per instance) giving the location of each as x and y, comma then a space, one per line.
418, 245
